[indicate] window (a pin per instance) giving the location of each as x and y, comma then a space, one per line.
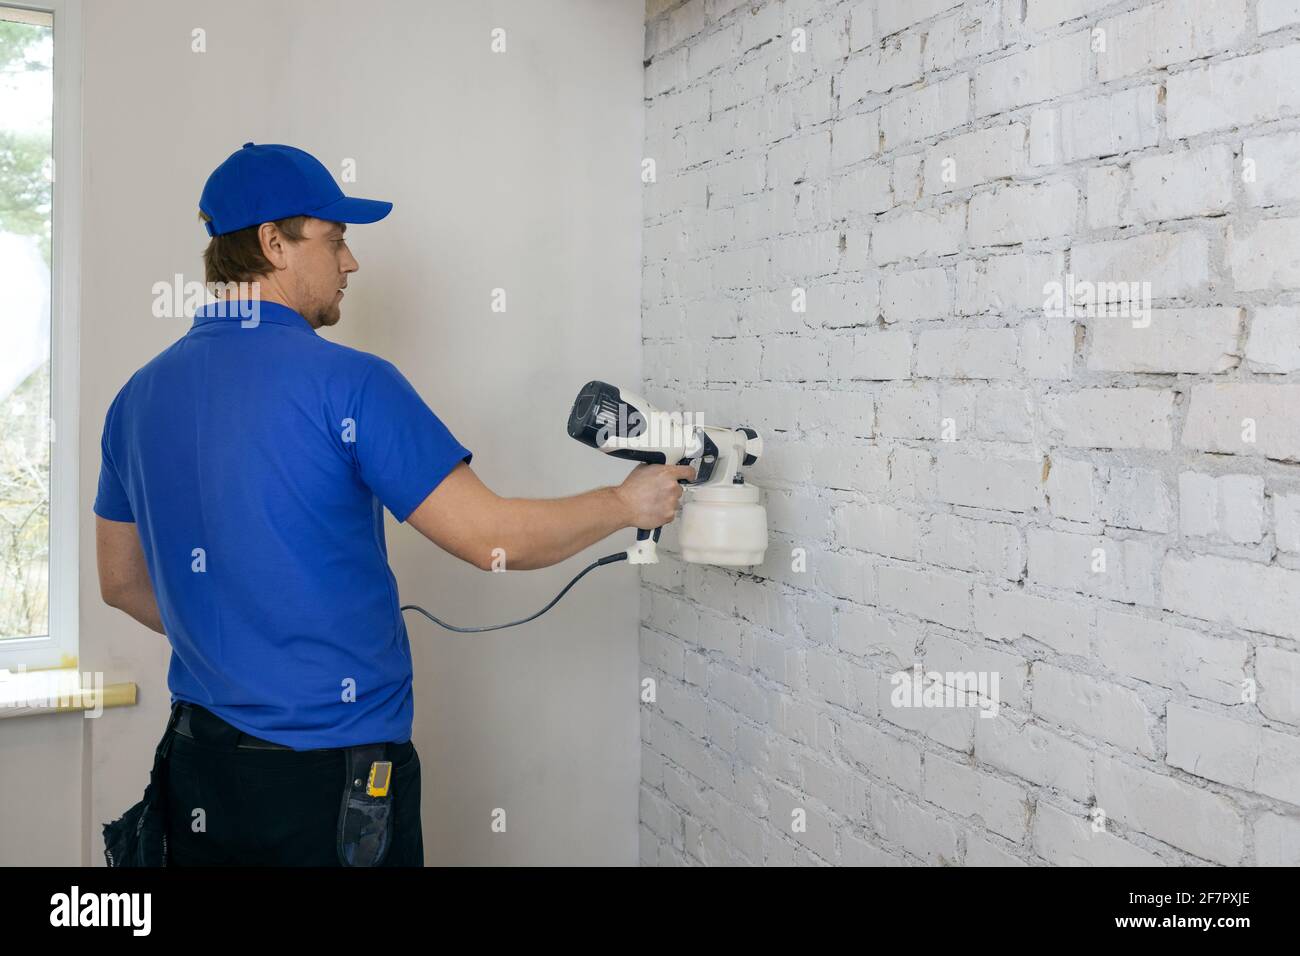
38, 359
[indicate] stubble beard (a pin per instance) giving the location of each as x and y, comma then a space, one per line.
330, 315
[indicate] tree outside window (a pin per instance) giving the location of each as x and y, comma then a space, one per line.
26, 190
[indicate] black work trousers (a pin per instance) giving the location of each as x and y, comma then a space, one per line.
233, 806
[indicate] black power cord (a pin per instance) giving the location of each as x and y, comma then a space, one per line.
607, 559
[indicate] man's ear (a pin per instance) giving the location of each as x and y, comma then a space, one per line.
272, 243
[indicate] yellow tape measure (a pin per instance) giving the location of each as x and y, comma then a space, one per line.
381, 773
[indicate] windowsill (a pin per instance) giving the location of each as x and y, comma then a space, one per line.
59, 690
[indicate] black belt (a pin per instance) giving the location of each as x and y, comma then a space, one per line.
245, 741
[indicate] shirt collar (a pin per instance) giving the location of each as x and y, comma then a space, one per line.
250, 313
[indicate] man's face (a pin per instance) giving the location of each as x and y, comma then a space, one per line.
318, 270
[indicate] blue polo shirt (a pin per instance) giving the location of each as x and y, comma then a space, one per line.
256, 459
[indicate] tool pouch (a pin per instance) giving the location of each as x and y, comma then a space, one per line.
365, 827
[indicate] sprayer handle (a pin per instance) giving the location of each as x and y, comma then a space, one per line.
645, 550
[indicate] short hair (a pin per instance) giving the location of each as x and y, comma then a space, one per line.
237, 256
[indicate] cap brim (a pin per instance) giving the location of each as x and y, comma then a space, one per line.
349, 209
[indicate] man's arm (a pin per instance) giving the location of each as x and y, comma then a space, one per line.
466, 518
123, 575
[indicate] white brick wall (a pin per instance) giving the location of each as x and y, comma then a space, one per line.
1102, 509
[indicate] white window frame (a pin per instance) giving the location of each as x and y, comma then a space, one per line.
60, 648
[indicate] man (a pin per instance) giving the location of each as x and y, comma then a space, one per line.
240, 513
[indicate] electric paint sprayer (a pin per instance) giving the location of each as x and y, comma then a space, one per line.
722, 520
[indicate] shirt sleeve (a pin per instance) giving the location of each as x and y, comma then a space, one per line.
403, 449
111, 501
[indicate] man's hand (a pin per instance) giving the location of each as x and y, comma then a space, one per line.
466, 518
652, 493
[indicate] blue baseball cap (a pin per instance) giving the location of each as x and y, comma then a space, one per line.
263, 183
